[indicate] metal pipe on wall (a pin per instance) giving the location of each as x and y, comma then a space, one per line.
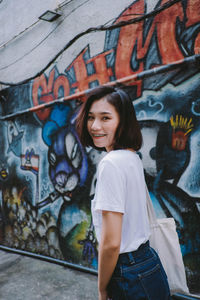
49, 259
184, 297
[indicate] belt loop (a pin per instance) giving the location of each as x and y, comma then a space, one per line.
131, 258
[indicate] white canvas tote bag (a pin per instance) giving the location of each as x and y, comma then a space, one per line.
164, 239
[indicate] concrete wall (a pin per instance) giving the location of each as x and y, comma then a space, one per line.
47, 178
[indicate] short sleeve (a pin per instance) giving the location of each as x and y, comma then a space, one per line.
110, 189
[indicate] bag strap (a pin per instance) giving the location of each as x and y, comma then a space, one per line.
150, 209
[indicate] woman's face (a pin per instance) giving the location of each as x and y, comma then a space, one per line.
102, 123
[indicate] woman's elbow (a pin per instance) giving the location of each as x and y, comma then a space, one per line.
112, 246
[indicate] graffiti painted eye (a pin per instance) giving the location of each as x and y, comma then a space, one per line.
11, 129
73, 150
70, 141
76, 156
10, 132
52, 158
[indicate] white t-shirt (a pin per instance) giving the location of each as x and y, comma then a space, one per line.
121, 188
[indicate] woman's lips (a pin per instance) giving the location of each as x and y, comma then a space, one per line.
97, 136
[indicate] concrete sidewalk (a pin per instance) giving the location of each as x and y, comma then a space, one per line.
26, 278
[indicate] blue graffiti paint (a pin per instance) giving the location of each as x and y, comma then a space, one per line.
14, 138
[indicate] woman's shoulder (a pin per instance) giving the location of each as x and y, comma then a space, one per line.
119, 158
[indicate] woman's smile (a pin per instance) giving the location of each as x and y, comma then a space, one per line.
98, 135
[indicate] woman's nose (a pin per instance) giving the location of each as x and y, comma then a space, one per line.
96, 124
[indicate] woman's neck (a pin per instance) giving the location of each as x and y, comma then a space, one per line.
130, 149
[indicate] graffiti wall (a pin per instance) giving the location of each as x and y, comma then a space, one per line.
47, 179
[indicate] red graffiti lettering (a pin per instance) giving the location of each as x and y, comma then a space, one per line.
41, 93
131, 52
45, 91
197, 45
61, 82
193, 17
193, 12
131, 37
102, 73
127, 40
166, 32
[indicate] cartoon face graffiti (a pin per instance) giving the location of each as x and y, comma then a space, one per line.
67, 162
3, 170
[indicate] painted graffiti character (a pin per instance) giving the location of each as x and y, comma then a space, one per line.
68, 172
14, 138
89, 246
107, 121
68, 164
67, 160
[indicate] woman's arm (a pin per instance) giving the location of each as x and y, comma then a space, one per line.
109, 248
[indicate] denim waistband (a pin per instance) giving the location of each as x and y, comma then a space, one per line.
129, 257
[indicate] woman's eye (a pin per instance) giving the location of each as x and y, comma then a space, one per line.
90, 118
105, 118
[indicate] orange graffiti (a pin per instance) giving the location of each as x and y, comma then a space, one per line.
45, 91
197, 45
61, 82
193, 17
193, 12
130, 54
41, 83
102, 72
131, 37
166, 33
128, 38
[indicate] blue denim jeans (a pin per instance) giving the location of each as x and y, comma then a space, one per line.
139, 275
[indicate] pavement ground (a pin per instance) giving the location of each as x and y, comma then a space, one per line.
27, 278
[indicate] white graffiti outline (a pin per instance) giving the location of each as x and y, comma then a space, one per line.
193, 110
151, 103
142, 115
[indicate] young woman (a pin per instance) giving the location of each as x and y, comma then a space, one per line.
128, 268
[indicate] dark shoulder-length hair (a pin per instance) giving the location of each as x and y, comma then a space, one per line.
128, 133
